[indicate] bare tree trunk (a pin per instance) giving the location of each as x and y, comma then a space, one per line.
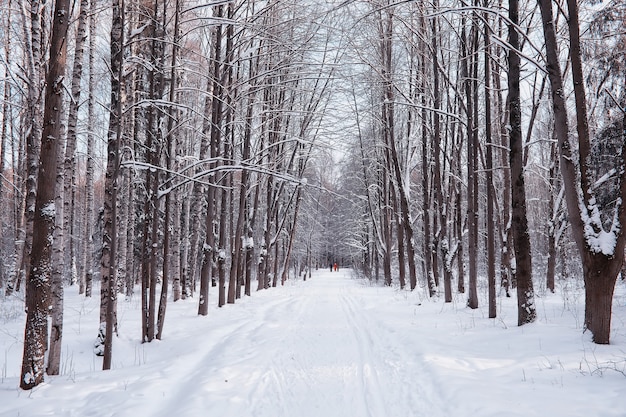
472, 150
600, 266
69, 184
428, 265
172, 120
4, 140
526, 310
193, 228
458, 214
552, 222
238, 244
249, 246
400, 239
386, 224
442, 241
209, 249
249, 219
108, 291
56, 279
38, 284
87, 276
491, 250
507, 271
223, 239
33, 129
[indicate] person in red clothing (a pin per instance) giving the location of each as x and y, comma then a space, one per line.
335, 266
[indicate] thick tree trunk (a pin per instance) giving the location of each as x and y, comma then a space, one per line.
600, 276
56, 282
38, 284
526, 311
600, 267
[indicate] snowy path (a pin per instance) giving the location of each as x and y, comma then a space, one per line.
333, 359
316, 352
332, 346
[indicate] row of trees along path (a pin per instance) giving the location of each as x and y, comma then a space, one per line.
249, 141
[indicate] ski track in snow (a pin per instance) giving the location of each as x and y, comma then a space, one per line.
329, 347
282, 361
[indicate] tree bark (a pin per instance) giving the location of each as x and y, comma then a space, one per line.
34, 58
491, 250
526, 310
168, 254
108, 295
209, 248
38, 284
69, 177
466, 54
552, 223
87, 275
600, 266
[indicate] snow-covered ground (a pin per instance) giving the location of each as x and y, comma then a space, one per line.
330, 346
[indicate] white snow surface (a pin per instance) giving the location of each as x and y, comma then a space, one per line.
329, 346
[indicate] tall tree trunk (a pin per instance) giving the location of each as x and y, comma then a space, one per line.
458, 226
69, 184
491, 250
38, 284
172, 120
4, 140
56, 280
600, 265
209, 249
441, 209
108, 291
472, 150
154, 145
400, 239
193, 229
238, 243
553, 211
89, 168
526, 310
34, 58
